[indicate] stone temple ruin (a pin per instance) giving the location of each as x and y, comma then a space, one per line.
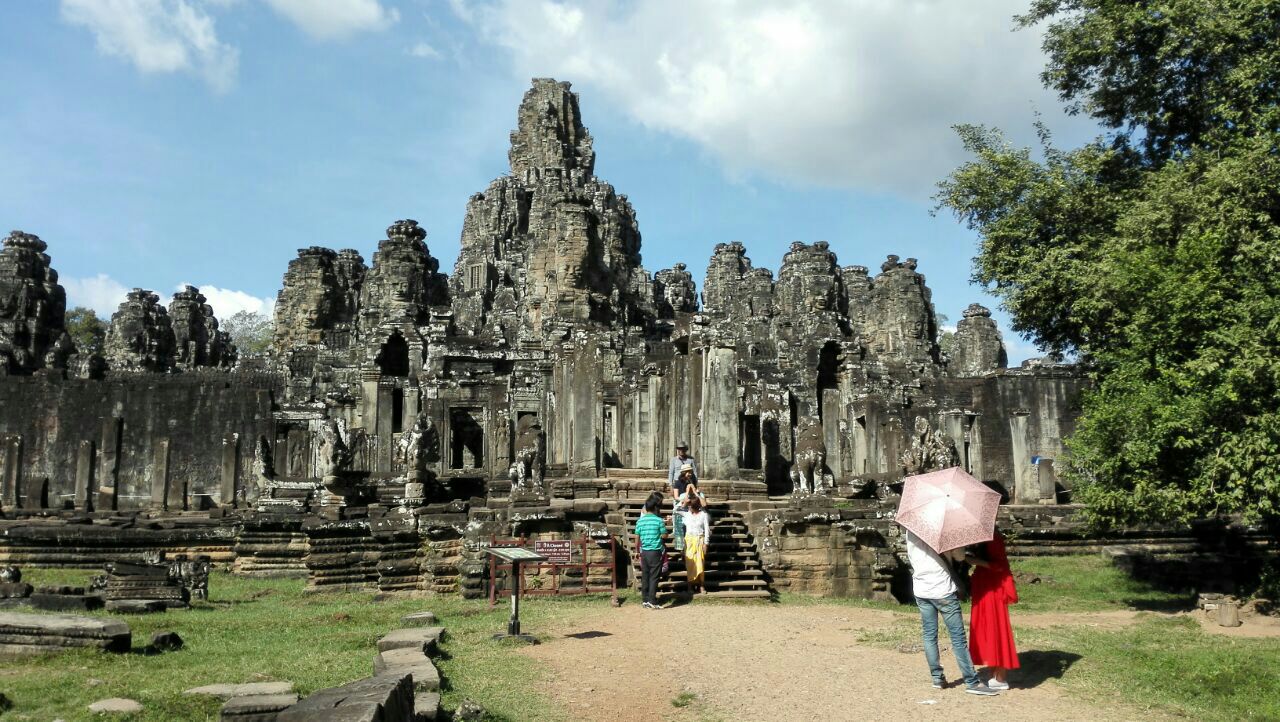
406, 417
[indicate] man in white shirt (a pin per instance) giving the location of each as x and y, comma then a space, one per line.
934, 586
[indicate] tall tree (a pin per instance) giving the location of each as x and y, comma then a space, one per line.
251, 331
1153, 252
86, 329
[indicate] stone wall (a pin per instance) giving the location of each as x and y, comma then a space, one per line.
131, 442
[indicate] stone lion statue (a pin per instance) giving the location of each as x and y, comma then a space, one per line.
526, 469
808, 470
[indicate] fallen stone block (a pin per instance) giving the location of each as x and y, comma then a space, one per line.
385, 698
426, 678
65, 602
135, 606
257, 707
33, 633
419, 619
18, 590
426, 639
115, 705
249, 689
426, 706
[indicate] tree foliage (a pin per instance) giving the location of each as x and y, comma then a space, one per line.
86, 329
1153, 252
251, 331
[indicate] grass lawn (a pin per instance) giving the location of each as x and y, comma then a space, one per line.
254, 630
260, 630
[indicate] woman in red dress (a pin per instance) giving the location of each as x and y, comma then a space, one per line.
990, 634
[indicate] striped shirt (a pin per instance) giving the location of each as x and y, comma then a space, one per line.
650, 528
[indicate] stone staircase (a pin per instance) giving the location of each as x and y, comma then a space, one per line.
732, 568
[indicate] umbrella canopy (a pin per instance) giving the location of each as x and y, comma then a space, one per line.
948, 509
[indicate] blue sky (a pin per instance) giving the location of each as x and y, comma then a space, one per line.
159, 142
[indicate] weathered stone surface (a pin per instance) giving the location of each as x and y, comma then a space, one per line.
140, 337
197, 340
385, 698
66, 602
257, 707
135, 606
116, 705
426, 705
422, 638
14, 590
411, 660
246, 689
977, 346
420, 619
32, 308
26, 633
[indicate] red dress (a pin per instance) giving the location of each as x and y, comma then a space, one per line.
990, 634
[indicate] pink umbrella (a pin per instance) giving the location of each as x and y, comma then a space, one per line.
948, 509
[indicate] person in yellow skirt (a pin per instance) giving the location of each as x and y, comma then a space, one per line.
697, 533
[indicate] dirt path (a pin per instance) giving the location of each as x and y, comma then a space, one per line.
764, 662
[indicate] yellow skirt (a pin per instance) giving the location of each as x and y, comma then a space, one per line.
695, 557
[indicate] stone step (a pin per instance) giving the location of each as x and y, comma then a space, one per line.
719, 573
637, 474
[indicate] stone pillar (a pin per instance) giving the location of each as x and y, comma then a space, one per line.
160, 476
719, 407
1026, 490
230, 469
109, 463
84, 476
385, 423
1048, 477
10, 470
369, 401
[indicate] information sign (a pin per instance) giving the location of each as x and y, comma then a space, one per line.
556, 552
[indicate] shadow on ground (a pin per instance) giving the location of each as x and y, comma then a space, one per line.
1039, 665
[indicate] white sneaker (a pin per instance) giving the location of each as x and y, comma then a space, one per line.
993, 684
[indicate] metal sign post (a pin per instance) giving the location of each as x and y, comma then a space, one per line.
515, 556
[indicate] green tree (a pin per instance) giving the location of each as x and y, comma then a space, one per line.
1153, 252
86, 329
251, 331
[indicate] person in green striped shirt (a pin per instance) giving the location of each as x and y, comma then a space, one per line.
649, 531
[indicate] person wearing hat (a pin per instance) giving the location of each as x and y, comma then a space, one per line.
682, 474
681, 459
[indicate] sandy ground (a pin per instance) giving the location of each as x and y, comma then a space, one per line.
764, 662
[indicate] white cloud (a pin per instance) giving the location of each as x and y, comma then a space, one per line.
858, 94
226, 303
101, 293
423, 50
336, 19
158, 36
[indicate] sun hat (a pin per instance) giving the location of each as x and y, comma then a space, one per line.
683, 445
686, 467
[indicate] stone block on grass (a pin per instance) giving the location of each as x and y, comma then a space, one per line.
115, 705
33, 633
426, 678
419, 619
426, 706
250, 689
384, 698
135, 606
426, 639
257, 707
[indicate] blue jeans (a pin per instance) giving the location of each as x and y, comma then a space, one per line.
949, 608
